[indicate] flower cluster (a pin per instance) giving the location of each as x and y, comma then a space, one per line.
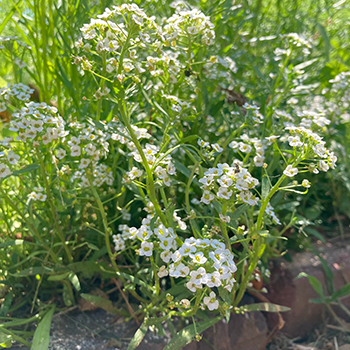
205, 262
227, 181
310, 145
37, 124
245, 147
189, 23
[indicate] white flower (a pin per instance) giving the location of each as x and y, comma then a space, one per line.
75, 151
323, 166
290, 171
41, 197
320, 150
185, 303
217, 148
207, 197
259, 161
12, 157
225, 181
187, 249
163, 272
214, 279
198, 258
272, 138
211, 302
294, 141
166, 243
199, 277
224, 193
248, 197
179, 270
176, 108
193, 287
61, 153
245, 148
234, 144
166, 256
202, 143
4, 170
134, 173
146, 248
119, 243
84, 163
306, 183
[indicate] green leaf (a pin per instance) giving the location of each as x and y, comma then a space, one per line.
27, 169
342, 292
100, 302
138, 336
74, 280
12, 243
6, 304
238, 212
311, 231
67, 294
315, 283
268, 307
134, 280
327, 42
31, 271
41, 339
186, 335
5, 340
261, 250
328, 272
59, 277
5, 20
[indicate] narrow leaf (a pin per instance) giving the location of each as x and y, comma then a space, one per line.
342, 292
41, 339
138, 336
315, 283
27, 169
100, 302
186, 335
268, 307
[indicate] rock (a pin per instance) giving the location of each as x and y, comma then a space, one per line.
285, 290
243, 332
345, 347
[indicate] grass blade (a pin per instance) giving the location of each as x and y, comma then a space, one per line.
41, 338
186, 335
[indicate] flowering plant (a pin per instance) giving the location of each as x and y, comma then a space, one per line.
168, 174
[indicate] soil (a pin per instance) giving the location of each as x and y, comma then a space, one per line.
95, 330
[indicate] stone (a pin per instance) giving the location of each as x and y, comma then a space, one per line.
243, 332
345, 347
285, 289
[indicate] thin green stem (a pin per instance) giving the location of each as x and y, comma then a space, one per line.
29, 224
107, 232
53, 207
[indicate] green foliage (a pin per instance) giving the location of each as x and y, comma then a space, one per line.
41, 339
60, 219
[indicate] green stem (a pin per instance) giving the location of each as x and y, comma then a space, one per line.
29, 225
150, 182
102, 84
107, 232
229, 139
52, 206
258, 244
